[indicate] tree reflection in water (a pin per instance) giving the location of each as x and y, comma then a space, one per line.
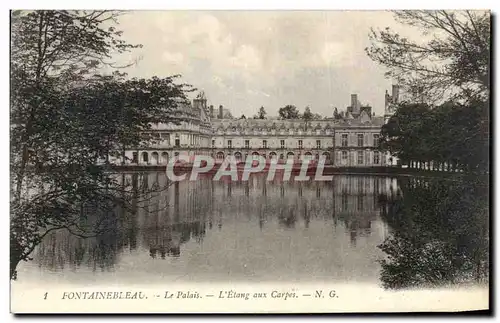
431, 232
162, 224
440, 233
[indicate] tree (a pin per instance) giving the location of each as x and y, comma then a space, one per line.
307, 115
404, 134
289, 112
439, 233
451, 134
65, 119
336, 114
450, 70
453, 63
262, 113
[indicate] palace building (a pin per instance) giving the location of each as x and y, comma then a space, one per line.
348, 139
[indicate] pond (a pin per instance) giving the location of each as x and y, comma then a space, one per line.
395, 232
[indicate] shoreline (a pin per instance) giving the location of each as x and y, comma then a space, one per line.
328, 170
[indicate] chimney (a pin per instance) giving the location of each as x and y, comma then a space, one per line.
354, 103
221, 112
395, 93
211, 111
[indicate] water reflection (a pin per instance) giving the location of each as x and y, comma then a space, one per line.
267, 230
440, 233
399, 232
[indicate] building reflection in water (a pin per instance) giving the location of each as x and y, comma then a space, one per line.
161, 223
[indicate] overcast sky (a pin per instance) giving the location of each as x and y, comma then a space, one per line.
247, 59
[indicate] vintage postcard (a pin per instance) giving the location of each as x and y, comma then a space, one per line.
249, 161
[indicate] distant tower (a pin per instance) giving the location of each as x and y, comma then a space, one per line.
354, 104
391, 102
221, 112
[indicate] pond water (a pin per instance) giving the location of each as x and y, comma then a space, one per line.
394, 232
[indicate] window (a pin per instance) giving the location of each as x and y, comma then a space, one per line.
344, 155
177, 142
318, 144
360, 140
229, 144
282, 142
345, 202
134, 157
376, 157
360, 185
375, 140
300, 144
360, 203
344, 140
264, 143
360, 157
164, 158
165, 136
247, 143
213, 143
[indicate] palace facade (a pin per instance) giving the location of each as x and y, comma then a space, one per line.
347, 139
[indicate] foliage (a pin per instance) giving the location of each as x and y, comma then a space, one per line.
336, 114
452, 133
450, 60
262, 113
288, 112
307, 115
65, 119
439, 233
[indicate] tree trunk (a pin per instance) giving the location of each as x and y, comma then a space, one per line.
123, 155
29, 121
15, 257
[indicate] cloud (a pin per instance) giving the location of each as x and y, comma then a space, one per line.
248, 59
